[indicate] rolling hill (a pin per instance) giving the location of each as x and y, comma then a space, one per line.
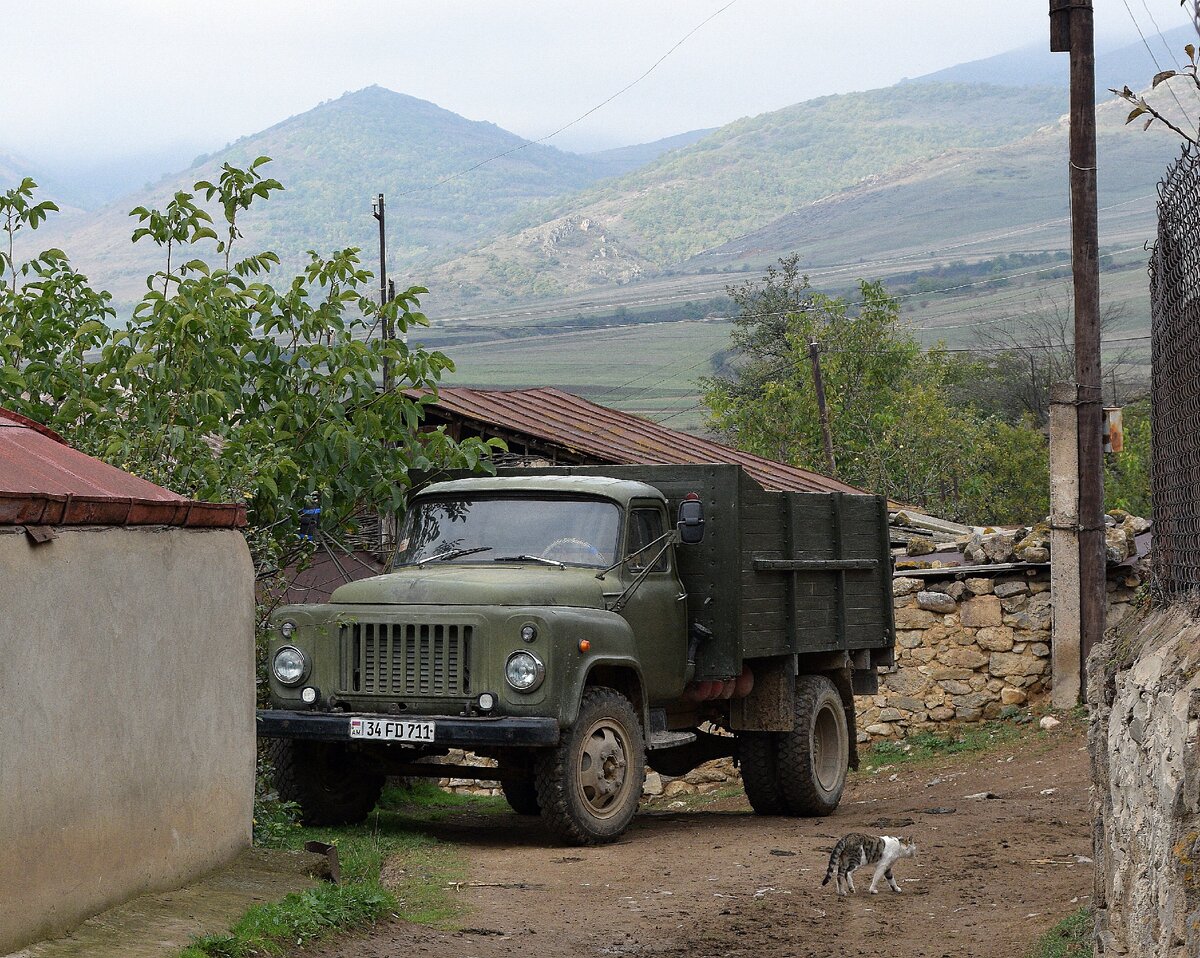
737, 179
333, 160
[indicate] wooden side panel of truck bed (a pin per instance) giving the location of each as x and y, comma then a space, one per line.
778, 572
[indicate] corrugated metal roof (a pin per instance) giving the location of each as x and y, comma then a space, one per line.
43, 481
609, 435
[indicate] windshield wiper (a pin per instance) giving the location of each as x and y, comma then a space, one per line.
450, 554
529, 558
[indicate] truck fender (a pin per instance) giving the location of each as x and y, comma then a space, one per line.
611, 660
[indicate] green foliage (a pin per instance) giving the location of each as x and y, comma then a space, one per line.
923, 746
1127, 473
894, 429
1070, 938
226, 386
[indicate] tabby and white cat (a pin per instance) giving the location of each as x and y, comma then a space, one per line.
856, 850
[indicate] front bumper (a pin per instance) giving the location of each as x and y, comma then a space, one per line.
453, 731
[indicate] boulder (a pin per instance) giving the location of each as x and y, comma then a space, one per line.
653, 784
1035, 546
920, 546
1118, 545
936, 602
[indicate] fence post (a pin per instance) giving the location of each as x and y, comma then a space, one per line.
1064, 545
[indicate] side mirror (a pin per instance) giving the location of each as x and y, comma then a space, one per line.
691, 521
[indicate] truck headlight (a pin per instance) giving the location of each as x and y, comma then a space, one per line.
289, 665
524, 671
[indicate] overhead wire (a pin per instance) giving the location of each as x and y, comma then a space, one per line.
524, 145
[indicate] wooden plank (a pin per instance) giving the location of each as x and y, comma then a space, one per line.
813, 565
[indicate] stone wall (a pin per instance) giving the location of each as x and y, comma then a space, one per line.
969, 649
1144, 738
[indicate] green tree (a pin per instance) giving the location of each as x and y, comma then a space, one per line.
226, 386
896, 430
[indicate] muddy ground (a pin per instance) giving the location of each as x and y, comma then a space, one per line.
992, 875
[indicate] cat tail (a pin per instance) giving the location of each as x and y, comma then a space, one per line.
833, 858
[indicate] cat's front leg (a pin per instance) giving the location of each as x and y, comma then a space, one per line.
879, 872
850, 880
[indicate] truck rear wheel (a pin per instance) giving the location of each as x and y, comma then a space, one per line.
814, 756
760, 772
326, 779
589, 786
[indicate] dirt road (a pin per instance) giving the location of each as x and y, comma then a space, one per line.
992, 875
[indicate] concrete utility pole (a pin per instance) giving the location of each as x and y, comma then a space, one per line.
814, 353
1071, 31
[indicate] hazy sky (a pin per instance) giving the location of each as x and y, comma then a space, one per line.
113, 77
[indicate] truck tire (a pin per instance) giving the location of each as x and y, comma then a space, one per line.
760, 772
589, 786
326, 779
814, 756
521, 795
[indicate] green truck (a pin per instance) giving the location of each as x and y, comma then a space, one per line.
579, 623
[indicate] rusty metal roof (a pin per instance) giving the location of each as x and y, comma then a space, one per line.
43, 481
611, 436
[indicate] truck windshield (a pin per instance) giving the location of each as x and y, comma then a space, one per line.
484, 529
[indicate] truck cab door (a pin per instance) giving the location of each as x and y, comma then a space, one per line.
657, 609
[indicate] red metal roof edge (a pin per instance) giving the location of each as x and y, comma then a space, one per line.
484, 405
30, 424
55, 510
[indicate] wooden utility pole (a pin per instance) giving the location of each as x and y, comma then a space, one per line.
387, 331
1071, 31
814, 353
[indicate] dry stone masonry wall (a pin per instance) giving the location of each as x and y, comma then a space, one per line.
1144, 739
969, 649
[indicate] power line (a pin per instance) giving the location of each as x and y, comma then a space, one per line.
583, 116
1157, 66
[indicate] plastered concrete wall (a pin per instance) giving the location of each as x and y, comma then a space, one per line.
126, 718
1144, 739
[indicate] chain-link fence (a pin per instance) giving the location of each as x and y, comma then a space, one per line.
1175, 393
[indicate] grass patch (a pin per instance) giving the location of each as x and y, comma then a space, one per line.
1070, 938
389, 868
924, 746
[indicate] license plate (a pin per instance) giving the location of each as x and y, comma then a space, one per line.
391, 730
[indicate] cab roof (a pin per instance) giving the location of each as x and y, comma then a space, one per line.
618, 490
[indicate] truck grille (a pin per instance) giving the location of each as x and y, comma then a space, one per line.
398, 659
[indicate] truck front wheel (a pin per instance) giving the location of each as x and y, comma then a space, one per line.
326, 779
589, 786
814, 756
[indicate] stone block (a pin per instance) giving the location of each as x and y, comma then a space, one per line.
941, 714
1014, 603
904, 682
1037, 586
1011, 696
914, 619
955, 590
981, 611
980, 586
936, 602
920, 656
878, 729
920, 546
906, 586
944, 674
963, 658
956, 687
1011, 587
1040, 649
908, 703
967, 714
889, 715
909, 639
974, 700
1007, 664
996, 638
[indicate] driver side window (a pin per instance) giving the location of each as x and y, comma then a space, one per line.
645, 527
